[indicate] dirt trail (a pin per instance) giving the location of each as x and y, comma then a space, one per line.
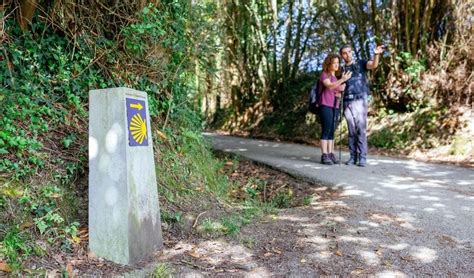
334, 235
325, 238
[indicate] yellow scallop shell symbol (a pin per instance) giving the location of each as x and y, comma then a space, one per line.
138, 128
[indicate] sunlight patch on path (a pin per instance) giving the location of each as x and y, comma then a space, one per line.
391, 274
396, 247
359, 240
423, 254
369, 257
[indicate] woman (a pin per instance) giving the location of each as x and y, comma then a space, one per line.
329, 107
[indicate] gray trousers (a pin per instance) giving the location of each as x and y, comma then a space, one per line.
355, 113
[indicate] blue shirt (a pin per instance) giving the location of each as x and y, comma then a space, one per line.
357, 85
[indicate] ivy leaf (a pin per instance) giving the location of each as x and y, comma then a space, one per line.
41, 225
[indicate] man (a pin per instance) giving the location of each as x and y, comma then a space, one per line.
355, 103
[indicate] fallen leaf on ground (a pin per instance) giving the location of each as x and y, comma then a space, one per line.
58, 258
5, 267
69, 270
76, 262
161, 135
26, 225
276, 251
83, 232
92, 255
194, 254
339, 253
52, 274
76, 239
358, 270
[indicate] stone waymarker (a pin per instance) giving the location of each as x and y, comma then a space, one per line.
124, 214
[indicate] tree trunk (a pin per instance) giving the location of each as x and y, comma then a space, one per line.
374, 19
26, 12
407, 26
297, 41
286, 53
426, 23
302, 50
416, 28
342, 25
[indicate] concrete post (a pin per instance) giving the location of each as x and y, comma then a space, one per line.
124, 214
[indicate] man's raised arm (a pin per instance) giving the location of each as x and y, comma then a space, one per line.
372, 64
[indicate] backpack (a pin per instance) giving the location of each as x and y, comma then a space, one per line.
314, 97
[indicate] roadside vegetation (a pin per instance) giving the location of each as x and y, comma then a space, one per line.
47, 68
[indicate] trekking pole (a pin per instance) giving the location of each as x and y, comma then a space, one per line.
334, 118
340, 124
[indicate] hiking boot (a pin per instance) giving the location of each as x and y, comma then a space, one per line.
352, 160
362, 161
333, 158
325, 159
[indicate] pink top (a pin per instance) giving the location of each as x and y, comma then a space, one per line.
328, 95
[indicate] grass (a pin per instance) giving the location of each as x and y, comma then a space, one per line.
170, 217
211, 228
283, 199
230, 225
186, 165
14, 247
30, 212
162, 271
307, 200
248, 241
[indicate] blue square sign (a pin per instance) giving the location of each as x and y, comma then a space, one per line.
136, 122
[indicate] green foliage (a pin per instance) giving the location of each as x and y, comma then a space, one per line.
283, 199
307, 200
43, 209
226, 226
255, 187
412, 66
211, 228
162, 271
411, 97
171, 33
44, 80
14, 246
230, 225
420, 129
292, 118
171, 217
461, 145
189, 165
249, 242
